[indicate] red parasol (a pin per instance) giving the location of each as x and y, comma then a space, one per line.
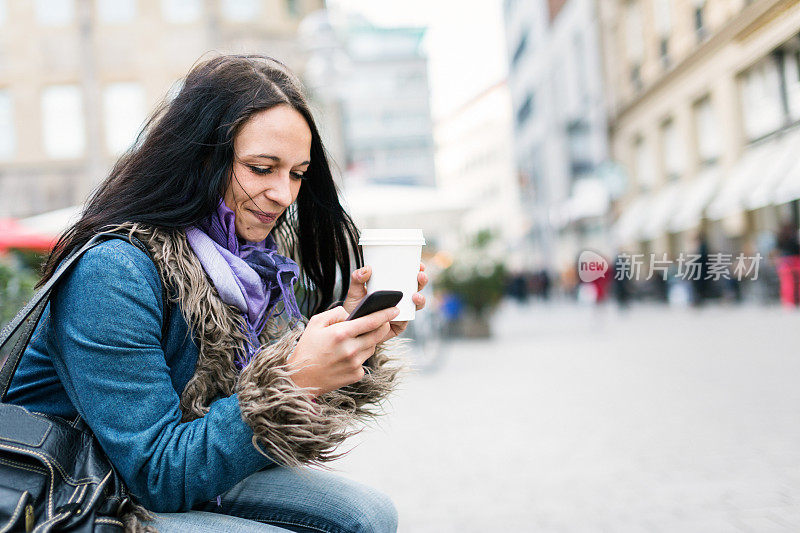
15, 235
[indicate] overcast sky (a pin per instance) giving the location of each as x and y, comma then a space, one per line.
465, 42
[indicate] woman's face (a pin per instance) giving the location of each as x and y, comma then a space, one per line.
271, 152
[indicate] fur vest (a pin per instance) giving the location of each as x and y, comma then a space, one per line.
288, 425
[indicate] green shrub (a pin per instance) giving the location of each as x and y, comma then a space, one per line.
474, 276
16, 285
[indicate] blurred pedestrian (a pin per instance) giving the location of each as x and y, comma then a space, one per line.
452, 308
701, 286
517, 287
788, 264
621, 284
544, 284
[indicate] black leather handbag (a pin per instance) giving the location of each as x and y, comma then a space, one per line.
54, 476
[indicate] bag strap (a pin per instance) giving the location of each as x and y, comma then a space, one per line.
24, 323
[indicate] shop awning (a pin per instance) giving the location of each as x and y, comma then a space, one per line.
589, 199
694, 198
15, 235
628, 227
661, 210
755, 166
53, 223
775, 171
788, 188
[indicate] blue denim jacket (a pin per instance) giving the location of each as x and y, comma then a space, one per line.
97, 351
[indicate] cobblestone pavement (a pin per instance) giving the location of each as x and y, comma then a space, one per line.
582, 420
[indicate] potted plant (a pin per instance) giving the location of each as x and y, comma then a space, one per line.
478, 282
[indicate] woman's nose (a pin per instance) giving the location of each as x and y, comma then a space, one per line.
280, 191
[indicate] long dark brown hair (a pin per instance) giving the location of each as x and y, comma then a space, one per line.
178, 169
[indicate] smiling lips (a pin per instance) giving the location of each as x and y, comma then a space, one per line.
266, 220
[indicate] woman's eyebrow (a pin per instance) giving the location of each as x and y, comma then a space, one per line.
277, 159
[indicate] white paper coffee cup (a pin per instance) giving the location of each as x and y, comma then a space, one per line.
394, 255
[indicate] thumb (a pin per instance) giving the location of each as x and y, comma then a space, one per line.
357, 289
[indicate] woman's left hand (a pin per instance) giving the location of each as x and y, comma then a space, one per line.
358, 290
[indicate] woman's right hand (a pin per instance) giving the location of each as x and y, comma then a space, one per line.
332, 349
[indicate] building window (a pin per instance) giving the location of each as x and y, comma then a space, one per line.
3, 12
182, 11
123, 115
7, 138
791, 70
581, 77
520, 50
580, 148
707, 131
663, 52
55, 12
634, 41
634, 36
116, 11
644, 165
762, 108
525, 110
673, 151
663, 17
241, 10
63, 127
700, 30
293, 7
663, 24
636, 77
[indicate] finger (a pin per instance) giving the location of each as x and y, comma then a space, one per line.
422, 266
362, 325
419, 300
331, 316
396, 329
364, 355
371, 338
422, 280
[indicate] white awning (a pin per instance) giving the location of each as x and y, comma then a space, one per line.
661, 210
695, 196
53, 223
784, 158
756, 163
627, 229
589, 198
429, 208
788, 188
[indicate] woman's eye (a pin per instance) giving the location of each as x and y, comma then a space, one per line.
260, 170
298, 175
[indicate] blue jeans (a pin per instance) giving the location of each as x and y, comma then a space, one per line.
279, 499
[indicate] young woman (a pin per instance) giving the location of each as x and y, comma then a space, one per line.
212, 417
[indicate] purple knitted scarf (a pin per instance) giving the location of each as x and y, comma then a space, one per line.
251, 276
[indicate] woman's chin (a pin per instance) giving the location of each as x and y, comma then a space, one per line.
254, 234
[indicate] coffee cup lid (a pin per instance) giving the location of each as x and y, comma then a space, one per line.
392, 237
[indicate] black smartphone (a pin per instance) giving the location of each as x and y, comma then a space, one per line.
376, 301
